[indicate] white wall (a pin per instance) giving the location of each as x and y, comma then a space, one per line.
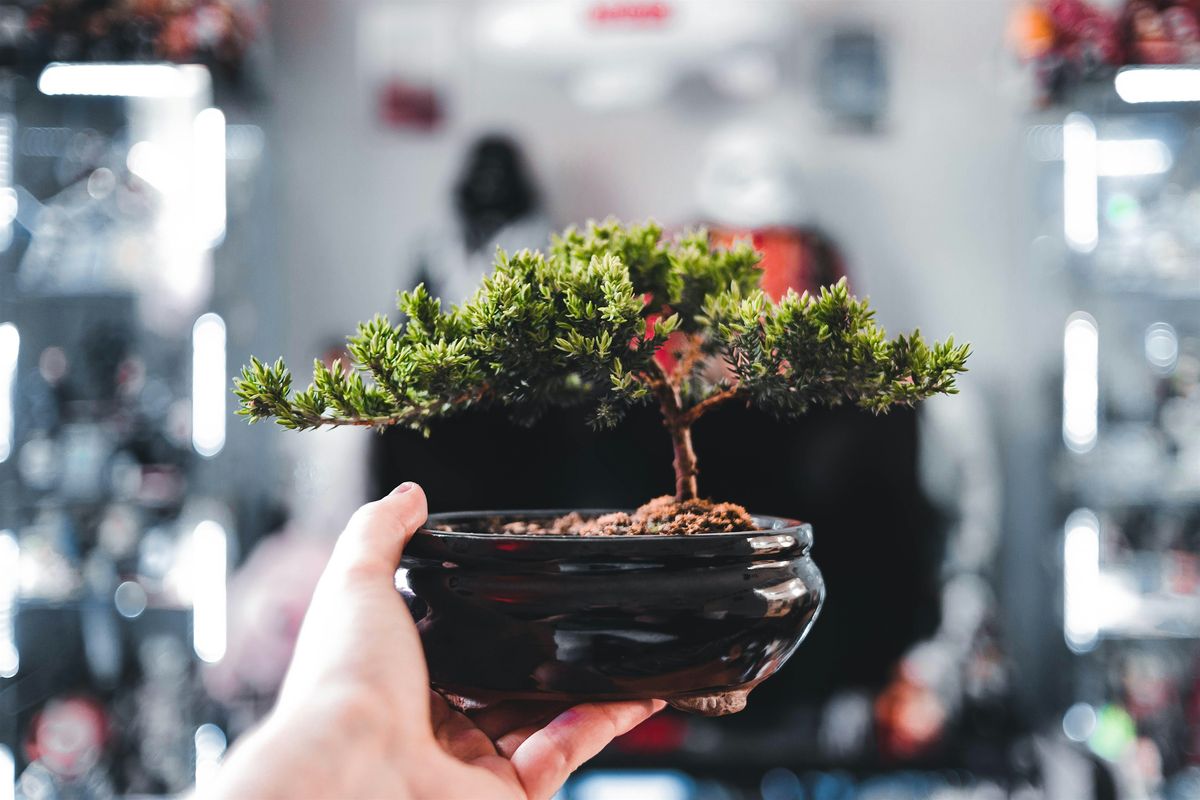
926, 211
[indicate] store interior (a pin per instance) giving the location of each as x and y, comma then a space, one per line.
1013, 573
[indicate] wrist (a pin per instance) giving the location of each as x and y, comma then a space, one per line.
325, 747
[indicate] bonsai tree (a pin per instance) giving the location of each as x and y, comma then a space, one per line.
610, 317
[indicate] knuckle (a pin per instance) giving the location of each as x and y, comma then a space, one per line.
391, 513
365, 515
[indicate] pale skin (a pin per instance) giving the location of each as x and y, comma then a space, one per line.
356, 717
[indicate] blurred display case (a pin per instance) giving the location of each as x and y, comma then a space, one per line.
1129, 468
113, 546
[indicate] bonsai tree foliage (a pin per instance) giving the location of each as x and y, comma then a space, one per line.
610, 317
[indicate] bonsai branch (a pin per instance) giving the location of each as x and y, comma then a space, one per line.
712, 401
574, 325
690, 356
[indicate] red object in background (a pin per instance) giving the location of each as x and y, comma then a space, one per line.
404, 105
1183, 25
68, 736
604, 13
1147, 37
217, 32
663, 733
909, 719
792, 258
1183, 572
1031, 32
1158, 32
1079, 35
1084, 33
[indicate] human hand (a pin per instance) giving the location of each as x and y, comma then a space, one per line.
356, 717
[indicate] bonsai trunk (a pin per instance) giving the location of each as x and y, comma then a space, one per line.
679, 424
685, 459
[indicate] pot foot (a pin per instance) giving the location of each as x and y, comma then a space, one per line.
718, 704
460, 703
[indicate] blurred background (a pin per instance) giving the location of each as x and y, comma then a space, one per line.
1013, 574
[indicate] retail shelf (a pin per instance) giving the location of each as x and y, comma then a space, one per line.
1125, 609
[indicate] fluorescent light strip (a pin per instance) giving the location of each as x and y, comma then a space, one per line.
8, 774
1080, 199
1158, 84
8, 194
644, 785
10, 575
210, 747
1081, 580
208, 557
208, 385
147, 161
10, 350
124, 80
1081, 382
208, 195
1132, 157
8, 128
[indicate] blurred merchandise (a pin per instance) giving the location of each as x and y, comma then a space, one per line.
1070, 42
402, 105
910, 718
66, 749
1128, 483
852, 79
119, 549
407, 58
216, 33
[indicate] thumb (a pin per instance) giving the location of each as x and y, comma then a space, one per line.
356, 612
375, 537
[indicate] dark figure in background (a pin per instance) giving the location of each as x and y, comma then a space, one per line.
496, 205
494, 192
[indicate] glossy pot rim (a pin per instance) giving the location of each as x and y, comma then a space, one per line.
778, 535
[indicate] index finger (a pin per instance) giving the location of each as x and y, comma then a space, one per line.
548, 757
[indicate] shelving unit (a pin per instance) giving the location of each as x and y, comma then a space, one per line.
115, 557
1129, 470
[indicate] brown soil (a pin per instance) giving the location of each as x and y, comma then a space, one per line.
661, 516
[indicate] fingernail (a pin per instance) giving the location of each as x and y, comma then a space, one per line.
404, 487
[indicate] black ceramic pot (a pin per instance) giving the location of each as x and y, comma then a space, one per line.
698, 621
